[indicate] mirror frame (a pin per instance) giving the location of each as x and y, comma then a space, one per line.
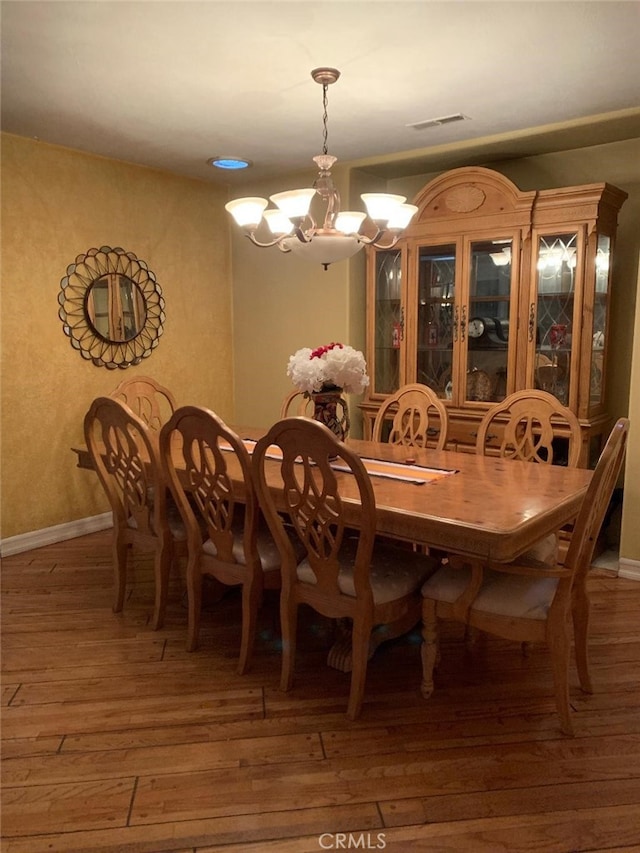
78, 326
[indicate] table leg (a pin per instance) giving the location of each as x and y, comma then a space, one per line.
339, 656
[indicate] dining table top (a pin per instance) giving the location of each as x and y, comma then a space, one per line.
478, 506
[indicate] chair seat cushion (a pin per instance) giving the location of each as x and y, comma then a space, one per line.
394, 572
545, 552
500, 594
267, 549
174, 521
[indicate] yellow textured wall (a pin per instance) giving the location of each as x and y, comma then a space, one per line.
57, 204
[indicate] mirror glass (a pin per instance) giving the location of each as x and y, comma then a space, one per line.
115, 308
111, 307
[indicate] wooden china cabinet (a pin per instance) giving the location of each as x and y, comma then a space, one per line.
492, 290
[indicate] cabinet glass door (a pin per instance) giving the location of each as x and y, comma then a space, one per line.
389, 323
436, 292
600, 305
557, 256
485, 323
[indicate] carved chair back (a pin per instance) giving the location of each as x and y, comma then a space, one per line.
124, 455
527, 425
419, 418
147, 399
297, 403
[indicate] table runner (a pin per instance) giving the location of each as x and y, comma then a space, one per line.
419, 475
416, 474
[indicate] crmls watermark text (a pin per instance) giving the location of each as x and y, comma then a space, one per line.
352, 841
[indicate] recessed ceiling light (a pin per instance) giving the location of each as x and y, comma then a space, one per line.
229, 163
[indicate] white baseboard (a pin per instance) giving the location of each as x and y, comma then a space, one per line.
57, 533
629, 569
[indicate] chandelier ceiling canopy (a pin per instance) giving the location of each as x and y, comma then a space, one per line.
290, 225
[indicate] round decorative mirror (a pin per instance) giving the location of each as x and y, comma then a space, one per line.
111, 307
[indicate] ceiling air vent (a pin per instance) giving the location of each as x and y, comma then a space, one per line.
436, 122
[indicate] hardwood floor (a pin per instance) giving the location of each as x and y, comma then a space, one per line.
114, 738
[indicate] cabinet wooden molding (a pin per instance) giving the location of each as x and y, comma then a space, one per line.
492, 290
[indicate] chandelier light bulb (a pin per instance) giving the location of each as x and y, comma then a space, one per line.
294, 203
381, 206
349, 221
247, 212
401, 216
278, 223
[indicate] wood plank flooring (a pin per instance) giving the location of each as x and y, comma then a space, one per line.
114, 738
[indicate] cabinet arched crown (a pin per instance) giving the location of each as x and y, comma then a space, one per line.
492, 290
469, 194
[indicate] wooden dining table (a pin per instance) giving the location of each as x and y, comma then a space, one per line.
483, 507
478, 507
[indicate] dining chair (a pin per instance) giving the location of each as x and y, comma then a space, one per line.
342, 576
530, 602
420, 418
297, 403
528, 425
125, 457
208, 469
146, 398
534, 426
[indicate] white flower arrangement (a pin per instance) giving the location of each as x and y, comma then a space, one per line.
332, 366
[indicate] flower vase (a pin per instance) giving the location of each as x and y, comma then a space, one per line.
330, 408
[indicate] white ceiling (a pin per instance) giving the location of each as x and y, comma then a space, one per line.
170, 84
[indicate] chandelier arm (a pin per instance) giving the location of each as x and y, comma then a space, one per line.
268, 245
394, 240
371, 241
305, 235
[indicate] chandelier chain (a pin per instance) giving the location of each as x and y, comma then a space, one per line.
325, 117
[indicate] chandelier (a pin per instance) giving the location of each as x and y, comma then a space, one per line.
343, 233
